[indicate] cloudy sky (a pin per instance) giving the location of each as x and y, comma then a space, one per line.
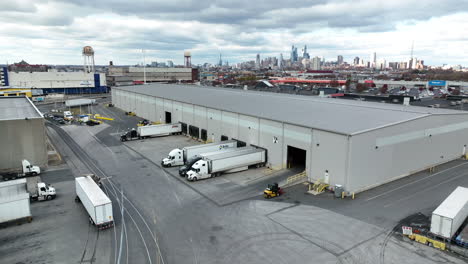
54, 31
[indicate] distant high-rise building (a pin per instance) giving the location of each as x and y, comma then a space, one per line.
257, 61
305, 55
281, 62
373, 59
220, 62
339, 60
294, 57
356, 61
316, 64
170, 64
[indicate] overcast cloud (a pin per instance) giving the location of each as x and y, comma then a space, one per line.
54, 31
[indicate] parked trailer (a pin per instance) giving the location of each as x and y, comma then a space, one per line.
178, 157
152, 131
79, 102
95, 201
26, 170
450, 214
188, 165
215, 165
14, 201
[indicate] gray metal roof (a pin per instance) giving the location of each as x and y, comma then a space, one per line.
340, 116
17, 108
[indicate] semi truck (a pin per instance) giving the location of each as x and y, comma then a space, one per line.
188, 165
178, 157
38, 190
234, 161
66, 115
152, 131
26, 170
95, 201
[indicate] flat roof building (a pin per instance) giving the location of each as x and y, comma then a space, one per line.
23, 133
361, 144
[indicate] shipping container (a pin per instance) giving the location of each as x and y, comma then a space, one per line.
450, 214
95, 201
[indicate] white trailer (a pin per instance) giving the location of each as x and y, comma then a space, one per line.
450, 214
14, 201
152, 131
79, 102
233, 161
95, 201
178, 157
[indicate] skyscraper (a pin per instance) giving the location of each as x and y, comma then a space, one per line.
220, 63
373, 60
257, 62
305, 55
356, 61
280, 62
294, 56
339, 61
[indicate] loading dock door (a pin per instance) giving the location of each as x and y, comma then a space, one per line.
240, 144
194, 131
296, 158
168, 118
184, 128
204, 135
224, 138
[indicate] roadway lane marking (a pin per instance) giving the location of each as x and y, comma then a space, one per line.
430, 188
427, 177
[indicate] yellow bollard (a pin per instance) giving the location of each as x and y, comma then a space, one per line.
353, 195
342, 195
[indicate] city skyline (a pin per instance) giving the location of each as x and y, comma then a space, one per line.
54, 32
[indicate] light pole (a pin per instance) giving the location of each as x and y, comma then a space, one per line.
144, 66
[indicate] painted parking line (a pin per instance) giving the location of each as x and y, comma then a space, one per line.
425, 190
410, 183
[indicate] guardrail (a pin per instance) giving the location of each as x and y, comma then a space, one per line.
296, 178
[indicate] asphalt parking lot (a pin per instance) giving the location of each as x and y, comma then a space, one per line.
226, 189
59, 229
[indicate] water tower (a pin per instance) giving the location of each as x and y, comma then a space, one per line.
187, 59
88, 56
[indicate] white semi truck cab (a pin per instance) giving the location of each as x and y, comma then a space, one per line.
178, 157
38, 190
29, 169
67, 115
175, 158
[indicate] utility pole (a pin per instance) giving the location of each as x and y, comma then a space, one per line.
144, 66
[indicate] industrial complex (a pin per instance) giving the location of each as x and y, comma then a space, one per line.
358, 145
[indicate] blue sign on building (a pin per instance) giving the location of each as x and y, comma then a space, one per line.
437, 83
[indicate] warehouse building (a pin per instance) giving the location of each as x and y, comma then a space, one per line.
360, 144
55, 82
22, 133
126, 75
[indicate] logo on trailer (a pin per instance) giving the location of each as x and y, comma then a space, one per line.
223, 146
407, 230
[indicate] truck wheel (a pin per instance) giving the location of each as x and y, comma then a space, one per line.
168, 165
195, 179
34, 173
49, 197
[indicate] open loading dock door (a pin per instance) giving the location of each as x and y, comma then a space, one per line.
168, 118
296, 158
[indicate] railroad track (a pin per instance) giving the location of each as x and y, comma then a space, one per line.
131, 212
